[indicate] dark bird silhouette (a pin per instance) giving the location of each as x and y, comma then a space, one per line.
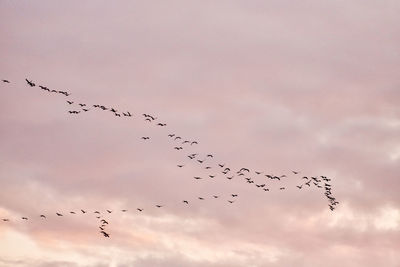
180, 166
117, 114
70, 102
109, 211
5, 81
197, 177
82, 105
295, 172
178, 137
59, 214
186, 202
258, 172
171, 135
210, 156
127, 114
234, 195
200, 161
84, 109
230, 178
299, 186
5, 220
244, 169
265, 189
104, 221
124, 210
113, 110
159, 206
231, 201
105, 234
97, 212
139, 209
42, 216
221, 165
178, 147
161, 124
31, 84
282, 188
185, 142
145, 138
72, 212
216, 196
201, 198
24, 218
211, 176
193, 143
83, 211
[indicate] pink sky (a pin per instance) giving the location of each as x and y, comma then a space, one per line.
273, 86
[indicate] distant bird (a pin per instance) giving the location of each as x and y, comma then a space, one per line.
210, 156
139, 209
72, 212
244, 169
265, 189
31, 84
230, 178
83, 211
124, 210
97, 212
145, 138
178, 147
161, 124
211, 176
234, 195
159, 206
171, 135
197, 177
82, 105
200, 161
70, 102
186, 202
299, 186
185, 142
42, 216
216, 196
5, 220
231, 201
180, 166
194, 142
258, 172
127, 114
104, 221
109, 211
24, 218
178, 137
282, 188
113, 110
117, 114
5, 81
295, 172
201, 198
84, 109
105, 234
221, 165
59, 214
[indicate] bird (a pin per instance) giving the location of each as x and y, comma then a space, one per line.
5, 81
295, 172
197, 177
124, 210
258, 172
105, 234
231, 201
104, 221
83, 211
139, 209
244, 169
171, 135
5, 220
299, 186
210, 156
221, 165
193, 143
178, 147
201, 198
109, 211
97, 212
70, 102
216, 196
161, 124
42, 216
211, 176
82, 105
72, 212
159, 206
24, 218
117, 114
185, 201
59, 214
200, 161
180, 166
230, 177
145, 138
185, 142
178, 137
265, 189
234, 195
31, 84
113, 110
84, 109
282, 188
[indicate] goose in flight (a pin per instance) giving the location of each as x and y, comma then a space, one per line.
139, 209
70, 102
185, 201
193, 143
42, 216
58, 214
31, 84
5, 81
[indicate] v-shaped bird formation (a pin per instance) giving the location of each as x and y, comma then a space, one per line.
180, 144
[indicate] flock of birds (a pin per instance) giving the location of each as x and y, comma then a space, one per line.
180, 144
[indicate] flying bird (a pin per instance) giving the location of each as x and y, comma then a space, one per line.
59, 214
186, 202
42, 216
5, 81
31, 84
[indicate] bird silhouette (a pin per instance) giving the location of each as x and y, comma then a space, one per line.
70, 102
194, 143
5, 220
24, 218
186, 202
5, 81
139, 209
42, 216
159, 206
58, 214
83, 211
31, 84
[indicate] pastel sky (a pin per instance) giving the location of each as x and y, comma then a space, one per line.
273, 86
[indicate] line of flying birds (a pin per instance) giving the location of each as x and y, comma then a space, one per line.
321, 182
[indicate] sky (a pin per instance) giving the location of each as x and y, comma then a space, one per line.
273, 86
